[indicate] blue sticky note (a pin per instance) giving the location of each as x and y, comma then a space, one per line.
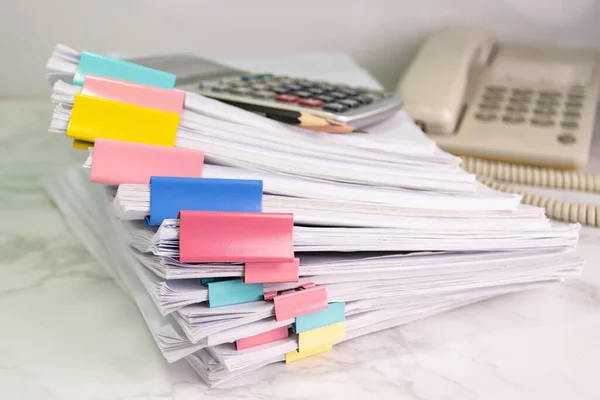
169, 195
334, 313
97, 64
235, 291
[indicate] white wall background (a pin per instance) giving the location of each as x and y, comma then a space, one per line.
380, 34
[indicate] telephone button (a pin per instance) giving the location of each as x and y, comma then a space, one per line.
542, 122
514, 119
486, 117
569, 124
522, 91
489, 106
495, 89
550, 93
545, 111
517, 108
566, 138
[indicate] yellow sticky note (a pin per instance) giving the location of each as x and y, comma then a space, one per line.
93, 117
296, 355
324, 335
82, 145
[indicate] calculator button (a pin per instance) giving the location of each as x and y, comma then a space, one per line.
349, 92
241, 90
315, 103
293, 87
325, 98
350, 102
306, 83
218, 88
264, 94
259, 86
363, 99
326, 87
286, 98
254, 77
279, 89
338, 95
316, 90
335, 107
303, 94
374, 96
236, 83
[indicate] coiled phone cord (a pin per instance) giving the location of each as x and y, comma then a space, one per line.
490, 172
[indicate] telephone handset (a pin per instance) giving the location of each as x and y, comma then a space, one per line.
498, 105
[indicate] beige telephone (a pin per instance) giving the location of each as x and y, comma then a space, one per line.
499, 104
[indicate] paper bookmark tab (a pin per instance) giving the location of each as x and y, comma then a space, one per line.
326, 335
142, 161
134, 93
235, 291
82, 145
334, 313
169, 195
296, 355
302, 301
206, 236
97, 64
276, 272
93, 118
262, 338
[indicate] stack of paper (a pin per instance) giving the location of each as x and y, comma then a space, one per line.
387, 229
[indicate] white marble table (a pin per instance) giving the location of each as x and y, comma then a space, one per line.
68, 332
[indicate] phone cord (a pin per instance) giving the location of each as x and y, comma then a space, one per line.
490, 172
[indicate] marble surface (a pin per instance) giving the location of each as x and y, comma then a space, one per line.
68, 332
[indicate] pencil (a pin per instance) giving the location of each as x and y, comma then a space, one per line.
302, 119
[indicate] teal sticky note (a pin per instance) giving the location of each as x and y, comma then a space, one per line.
235, 291
97, 64
334, 313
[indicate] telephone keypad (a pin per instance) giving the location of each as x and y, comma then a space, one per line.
539, 108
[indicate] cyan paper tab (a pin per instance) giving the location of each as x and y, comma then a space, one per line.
333, 314
169, 195
97, 64
235, 291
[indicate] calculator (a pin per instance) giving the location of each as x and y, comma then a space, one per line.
353, 106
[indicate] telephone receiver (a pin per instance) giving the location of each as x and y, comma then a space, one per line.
515, 112
435, 84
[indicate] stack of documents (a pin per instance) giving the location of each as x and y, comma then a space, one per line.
246, 242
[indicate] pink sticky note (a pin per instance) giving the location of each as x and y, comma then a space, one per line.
275, 272
300, 302
262, 338
208, 236
115, 162
134, 93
